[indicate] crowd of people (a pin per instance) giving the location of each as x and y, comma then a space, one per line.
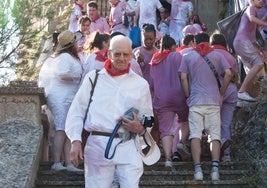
180, 75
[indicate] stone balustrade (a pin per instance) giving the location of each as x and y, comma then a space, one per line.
21, 133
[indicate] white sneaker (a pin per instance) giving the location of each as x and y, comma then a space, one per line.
58, 167
215, 175
245, 96
198, 176
168, 163
72, 168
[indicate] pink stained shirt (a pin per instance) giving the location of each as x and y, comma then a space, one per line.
247, 29
203, 85
115, 17
100, 25
166, 85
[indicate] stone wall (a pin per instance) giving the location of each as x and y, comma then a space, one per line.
21, 134
249, 132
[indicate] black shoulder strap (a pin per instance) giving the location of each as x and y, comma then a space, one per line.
212, 68
93, 84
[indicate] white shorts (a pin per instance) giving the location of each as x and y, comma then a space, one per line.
205, 117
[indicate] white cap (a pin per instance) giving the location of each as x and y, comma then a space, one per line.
148, 149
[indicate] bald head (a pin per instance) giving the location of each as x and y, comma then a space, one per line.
120, 41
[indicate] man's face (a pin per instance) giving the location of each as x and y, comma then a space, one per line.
258, 3
120, 56
92, 13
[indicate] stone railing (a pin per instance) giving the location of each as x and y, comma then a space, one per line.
21, 134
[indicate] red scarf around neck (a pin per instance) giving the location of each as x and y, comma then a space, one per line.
218, 46
81, 6
178, 49
102, 55
158, 57
112, 72
203, 48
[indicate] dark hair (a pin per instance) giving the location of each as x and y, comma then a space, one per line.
54, 40
97, 40
202, 37
84, 19
149, 28
92, 4
116, 33
72, 50
166, 43
217, 38
195, 19
188, 38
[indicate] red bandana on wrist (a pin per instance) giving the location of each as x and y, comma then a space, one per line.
158, 57
218, 46
81, 6
113, 72
102, 55
203, 48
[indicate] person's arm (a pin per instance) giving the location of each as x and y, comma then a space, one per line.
75, 119
184, 82
137, 11
226, 80
257, 21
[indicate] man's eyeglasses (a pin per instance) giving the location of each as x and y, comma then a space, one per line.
119, 54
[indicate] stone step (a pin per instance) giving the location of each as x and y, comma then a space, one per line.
232, 175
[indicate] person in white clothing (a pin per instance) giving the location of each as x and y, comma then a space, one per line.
75, 15
180, 12
97, 49
60, 76
117, 89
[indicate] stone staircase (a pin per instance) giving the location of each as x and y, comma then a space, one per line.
232, 174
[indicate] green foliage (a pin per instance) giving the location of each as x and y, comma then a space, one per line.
23, 25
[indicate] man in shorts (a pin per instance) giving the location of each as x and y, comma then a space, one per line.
204, 98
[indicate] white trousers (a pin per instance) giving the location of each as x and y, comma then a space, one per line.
99, 171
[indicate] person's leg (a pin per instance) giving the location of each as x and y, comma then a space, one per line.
184, 126
155, 129
248, 81
196, 150
227, 112
213, 124
129, 165
166, 129
183, 145
167, 146
58, 145
176, 137
98, 171
196, 126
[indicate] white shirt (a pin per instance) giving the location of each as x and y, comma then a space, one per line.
112, 97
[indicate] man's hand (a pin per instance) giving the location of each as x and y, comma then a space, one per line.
76, 152
132, 125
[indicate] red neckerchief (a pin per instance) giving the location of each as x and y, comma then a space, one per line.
102, 55
113, 72
95, 19
158, 57
203, 48
178, 49
81, 6
218, 46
